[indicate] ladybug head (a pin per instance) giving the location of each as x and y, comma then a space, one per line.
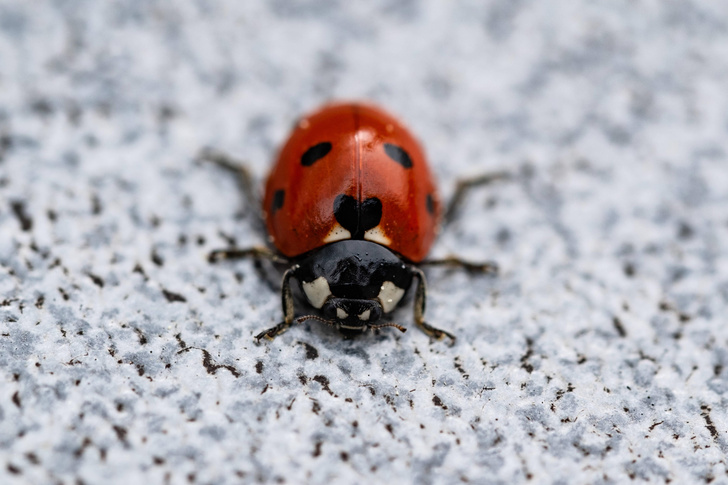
352, 314
353, 283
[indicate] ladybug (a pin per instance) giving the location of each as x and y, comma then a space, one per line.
352, 209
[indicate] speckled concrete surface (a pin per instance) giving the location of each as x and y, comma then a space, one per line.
598, 356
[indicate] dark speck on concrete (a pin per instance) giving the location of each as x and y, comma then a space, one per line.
26, 223
173, 297
311, 352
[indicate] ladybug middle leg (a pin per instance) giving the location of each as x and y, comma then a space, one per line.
256, 252
252, 202
419, 308
286, 294
486, 267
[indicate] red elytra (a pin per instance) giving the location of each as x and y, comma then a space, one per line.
351, 171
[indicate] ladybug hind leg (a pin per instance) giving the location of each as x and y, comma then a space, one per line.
245, 179
464, 186
419, 309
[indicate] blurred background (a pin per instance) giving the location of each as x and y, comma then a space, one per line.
597, 356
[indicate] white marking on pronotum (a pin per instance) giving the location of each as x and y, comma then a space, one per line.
376, 234
364, 316
317, 291
341, 314
389, 296
338, 233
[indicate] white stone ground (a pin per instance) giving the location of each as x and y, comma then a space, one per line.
598, 356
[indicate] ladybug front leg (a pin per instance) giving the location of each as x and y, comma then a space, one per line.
286, 294
287, 303
420, 300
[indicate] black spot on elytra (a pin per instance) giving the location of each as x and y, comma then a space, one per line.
279, 196
398, 154
315, 153
430, 202
357, 218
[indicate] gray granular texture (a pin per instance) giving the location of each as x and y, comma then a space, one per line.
599, 355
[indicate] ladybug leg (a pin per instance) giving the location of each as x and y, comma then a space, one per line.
256, 252
243, 175
287, 303
420, 299
462, 188
487, 267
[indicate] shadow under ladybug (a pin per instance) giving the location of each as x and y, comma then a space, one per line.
351, 210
